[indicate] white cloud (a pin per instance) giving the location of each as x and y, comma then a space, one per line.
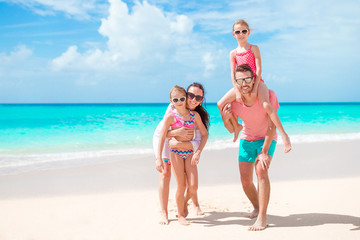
17, 56
145, 36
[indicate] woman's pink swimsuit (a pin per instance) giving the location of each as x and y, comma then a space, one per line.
181, 123
246, 57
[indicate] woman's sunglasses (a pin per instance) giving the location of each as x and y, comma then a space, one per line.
241, 80
237, 32
197, 97
181, 99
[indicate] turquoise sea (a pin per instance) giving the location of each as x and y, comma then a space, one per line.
42, 135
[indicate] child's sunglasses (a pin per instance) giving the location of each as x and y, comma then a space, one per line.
181, 99
241, 80
197, 97
237, 32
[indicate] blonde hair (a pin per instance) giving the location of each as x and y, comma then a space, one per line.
241, 22
177, 88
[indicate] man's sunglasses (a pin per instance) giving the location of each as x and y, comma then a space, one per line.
237, 32
181, 99
197, 97
241, 80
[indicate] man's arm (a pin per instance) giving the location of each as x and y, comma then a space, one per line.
264, 157
227, 114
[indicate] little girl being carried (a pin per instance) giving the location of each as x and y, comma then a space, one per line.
249, 54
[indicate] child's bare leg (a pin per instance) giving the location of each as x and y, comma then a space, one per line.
193, 183
178, 166
263, 94
164, 183
226, 99
194, 199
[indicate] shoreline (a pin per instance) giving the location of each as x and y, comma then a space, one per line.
306, 161
20, 163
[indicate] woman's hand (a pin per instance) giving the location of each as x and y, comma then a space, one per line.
183, 132
159, 165
195, 158
173, 143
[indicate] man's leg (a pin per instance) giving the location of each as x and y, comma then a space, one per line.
264, 196
246, 175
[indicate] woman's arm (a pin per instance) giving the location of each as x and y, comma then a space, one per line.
204, 137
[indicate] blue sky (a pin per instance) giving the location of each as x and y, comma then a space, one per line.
78, 51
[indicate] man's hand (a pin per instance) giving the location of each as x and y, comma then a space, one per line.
227, 112
264, 160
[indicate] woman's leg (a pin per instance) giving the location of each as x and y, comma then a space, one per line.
178, 167
164, 183
263, 94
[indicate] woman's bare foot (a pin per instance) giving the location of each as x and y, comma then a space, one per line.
287, 143
238, 128
259, 225
164, 219
183, 221
253, 214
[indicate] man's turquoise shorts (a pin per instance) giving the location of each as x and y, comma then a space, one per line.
248, 151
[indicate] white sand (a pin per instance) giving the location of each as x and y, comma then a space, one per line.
315, 195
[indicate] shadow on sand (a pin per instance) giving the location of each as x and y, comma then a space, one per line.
212, 219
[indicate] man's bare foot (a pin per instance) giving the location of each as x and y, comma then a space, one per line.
164, 219
287, 143
198, 211
237, 130
259, 225
253, 214
183, 221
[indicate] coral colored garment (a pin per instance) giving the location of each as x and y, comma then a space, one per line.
246, 57
255, 119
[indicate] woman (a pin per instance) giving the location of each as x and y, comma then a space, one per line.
195, 93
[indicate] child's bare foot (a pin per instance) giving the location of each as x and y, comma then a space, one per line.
183, 221
164, 219
238, 128
198, 211
253, 214
287, 143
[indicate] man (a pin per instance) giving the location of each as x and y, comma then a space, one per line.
257, 142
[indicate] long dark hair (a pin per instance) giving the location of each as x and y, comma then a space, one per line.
205, 118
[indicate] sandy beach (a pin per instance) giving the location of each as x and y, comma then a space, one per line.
314, 195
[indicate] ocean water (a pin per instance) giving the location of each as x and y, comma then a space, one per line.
43, 135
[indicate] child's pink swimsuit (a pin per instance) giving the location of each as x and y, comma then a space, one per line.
246, 57
181, 123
